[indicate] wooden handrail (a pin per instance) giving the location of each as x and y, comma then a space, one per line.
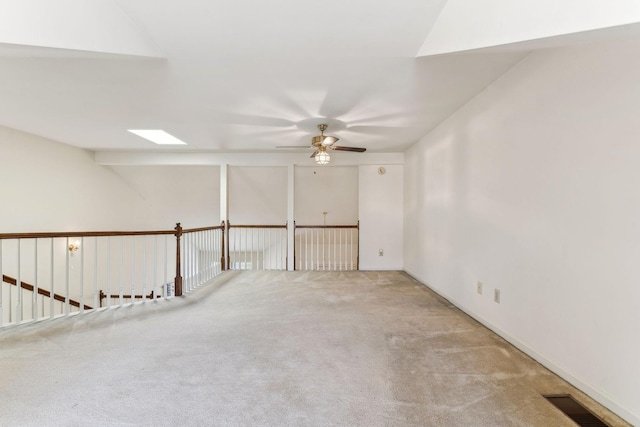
82, 234
194, 230
125, 296
44, 292
257, 226
328, 226
178, 232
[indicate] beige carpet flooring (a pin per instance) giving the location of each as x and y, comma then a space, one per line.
277, 349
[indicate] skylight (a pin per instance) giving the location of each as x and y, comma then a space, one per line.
157, 136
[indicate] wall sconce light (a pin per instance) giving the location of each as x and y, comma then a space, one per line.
73, 247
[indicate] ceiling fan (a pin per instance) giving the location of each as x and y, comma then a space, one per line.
322, 143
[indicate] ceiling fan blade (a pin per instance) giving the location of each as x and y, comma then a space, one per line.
314, 154
250, 120
354, 149
380, 130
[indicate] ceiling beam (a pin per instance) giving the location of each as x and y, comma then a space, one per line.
137, 158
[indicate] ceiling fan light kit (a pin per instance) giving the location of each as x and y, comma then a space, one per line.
322, 157
323, 142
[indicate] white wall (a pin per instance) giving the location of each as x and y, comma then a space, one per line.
380, 207
532, 188
186, 194
257, 195
48, 186
332, 189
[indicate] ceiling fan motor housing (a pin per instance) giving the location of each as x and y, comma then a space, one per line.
316, 141
322, 140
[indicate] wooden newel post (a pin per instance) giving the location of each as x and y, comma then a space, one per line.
358, 253
223, 257
178, 280
228, 239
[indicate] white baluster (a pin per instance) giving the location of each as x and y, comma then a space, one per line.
34, 294
340, 247
334, 268
82, 275
194, 259
19, 288
324, 249
189, 266
207, 254
95, 274
121, 275
67, 280
192, 265
197, 265
51, 287
155, 267
108, 290
166, 262
306, 249
1, 286
313, 249
351, 251
252, 247
132, 293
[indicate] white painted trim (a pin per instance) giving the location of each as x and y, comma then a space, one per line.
374, 268
561, 371
133, 158
224, 192
290, 217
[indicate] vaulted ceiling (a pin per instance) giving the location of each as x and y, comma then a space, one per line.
248, 75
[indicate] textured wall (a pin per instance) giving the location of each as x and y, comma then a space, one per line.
532, 188
48, 186
326, 189
380, 206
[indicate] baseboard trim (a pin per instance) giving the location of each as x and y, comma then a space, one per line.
554, 367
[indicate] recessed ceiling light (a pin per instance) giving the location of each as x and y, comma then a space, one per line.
157, 136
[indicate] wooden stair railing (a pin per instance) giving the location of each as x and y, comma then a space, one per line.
28, 286
226, 263
329, 227
127, 296
178, 232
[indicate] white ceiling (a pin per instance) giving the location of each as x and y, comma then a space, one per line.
233, 75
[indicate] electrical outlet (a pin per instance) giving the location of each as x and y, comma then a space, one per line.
380, 252
496, 295
479, 288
